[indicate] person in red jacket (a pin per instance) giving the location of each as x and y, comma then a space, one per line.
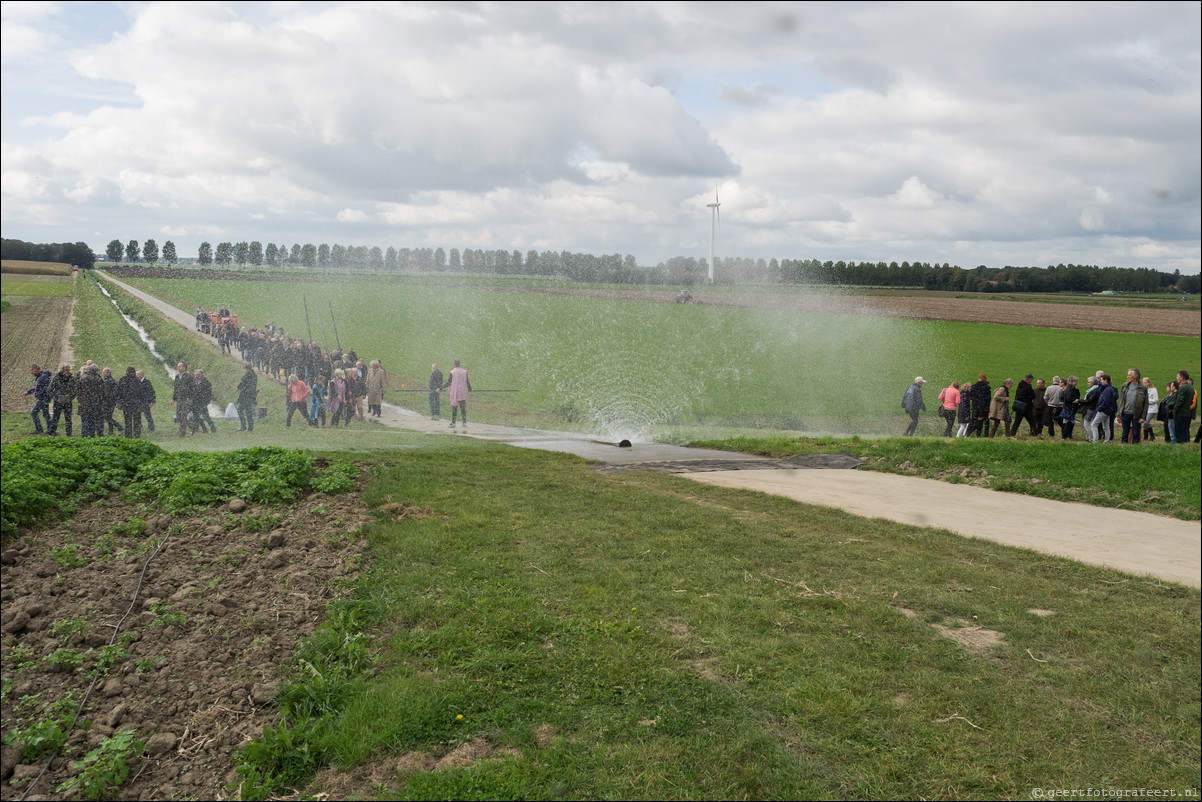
298, 398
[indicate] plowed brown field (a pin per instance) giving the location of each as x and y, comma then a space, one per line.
33, 331
1087, 317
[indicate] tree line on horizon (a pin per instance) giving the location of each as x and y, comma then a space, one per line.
618, 269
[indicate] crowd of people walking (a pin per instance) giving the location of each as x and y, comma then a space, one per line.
976, 409
321, 388
99, 396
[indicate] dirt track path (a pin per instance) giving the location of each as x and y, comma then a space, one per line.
1135, 542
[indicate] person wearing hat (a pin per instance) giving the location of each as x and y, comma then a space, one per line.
912, 403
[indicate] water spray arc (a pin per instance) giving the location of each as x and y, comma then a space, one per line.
715, 223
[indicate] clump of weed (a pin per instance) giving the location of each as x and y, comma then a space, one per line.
339, 477
261, 522
111, 656
327, 670
165, 616
45, 730
68, 556
64, 659
103, 769
66, 628
134, 526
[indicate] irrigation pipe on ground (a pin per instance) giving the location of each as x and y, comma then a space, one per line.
96, 675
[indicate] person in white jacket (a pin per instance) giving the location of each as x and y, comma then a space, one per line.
1153, 404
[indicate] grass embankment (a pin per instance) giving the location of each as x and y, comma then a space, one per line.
638, 636
175, 343
1153, 477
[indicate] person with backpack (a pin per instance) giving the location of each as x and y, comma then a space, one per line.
63, 389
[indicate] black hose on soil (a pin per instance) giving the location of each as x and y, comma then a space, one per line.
96, 676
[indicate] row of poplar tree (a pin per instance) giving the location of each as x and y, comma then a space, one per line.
618, 269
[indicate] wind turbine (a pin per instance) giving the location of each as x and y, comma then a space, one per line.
715, 221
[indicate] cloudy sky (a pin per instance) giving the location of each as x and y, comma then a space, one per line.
968, 133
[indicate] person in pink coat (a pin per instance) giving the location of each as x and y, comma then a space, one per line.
460, 386
949, 399
298, 398
336, 398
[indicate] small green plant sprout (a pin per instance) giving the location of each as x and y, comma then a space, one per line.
104, 546
38, 739
261, 522
45, 733
109, 657
253, 623
165, 617
18, 657
103, 769
134, 526
64, 659
65, 629
234, 558
148, 664
68, 556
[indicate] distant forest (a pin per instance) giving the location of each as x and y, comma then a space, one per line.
618, 269
71, 253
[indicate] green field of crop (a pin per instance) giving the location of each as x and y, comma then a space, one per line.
643, 368
54, 289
